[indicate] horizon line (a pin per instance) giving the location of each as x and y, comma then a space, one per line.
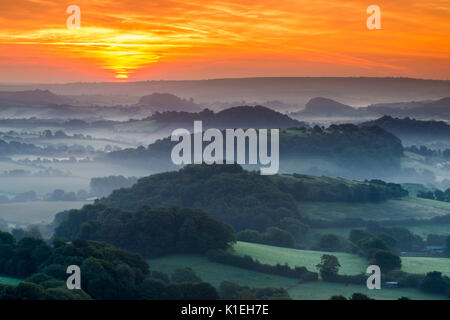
230, 78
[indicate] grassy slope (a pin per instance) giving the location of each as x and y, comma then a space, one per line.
350, 263
424, 265
408, 207
9, 281
423, 231
417, 162
215, 273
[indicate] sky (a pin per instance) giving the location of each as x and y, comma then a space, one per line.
135, 40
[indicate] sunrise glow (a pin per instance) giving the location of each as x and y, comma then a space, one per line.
140, 40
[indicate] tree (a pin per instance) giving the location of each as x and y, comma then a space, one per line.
198, 291
151, 232
229, 290
447, 247
152, 289
387, 260
294, 227
249, 235
439, 195
276, 237
185, 275
434, 282
371, 245
30, 291
425, 194
338, 297
388, 239
328, 267
329, 242
360, 296
357, 235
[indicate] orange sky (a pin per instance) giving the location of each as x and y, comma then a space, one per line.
198, 39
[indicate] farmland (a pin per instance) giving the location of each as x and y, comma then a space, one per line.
9, 281
215, 273
350, 263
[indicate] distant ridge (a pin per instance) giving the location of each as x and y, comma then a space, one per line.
167, 102
412, 131
235, 117
354, 91
31, 98
328, 108
420, 109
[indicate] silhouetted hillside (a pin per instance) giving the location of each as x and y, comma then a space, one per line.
322, 107
167, 102
242, 198
150, 232
413, 131
236, 117
438, 109
339, 150
355, 91
31, 98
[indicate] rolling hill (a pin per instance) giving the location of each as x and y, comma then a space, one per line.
245, 199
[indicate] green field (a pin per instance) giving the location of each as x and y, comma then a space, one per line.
408, 207
324, 290
350, 263
414, 188
215, 273
9, 281
424, 265
421, 230
35, 212
417, 162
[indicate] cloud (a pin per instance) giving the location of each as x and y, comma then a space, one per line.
124, 38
